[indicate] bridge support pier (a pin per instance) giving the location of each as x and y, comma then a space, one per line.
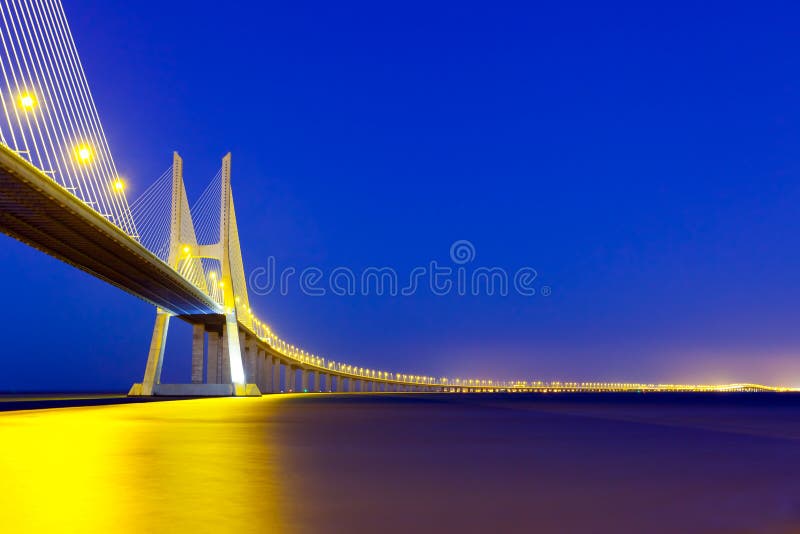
218, 382
224, 364
314, 383
214, 357
258, 367
266, 372
276, 375
155, 358
198, 348
248, 350
303, 381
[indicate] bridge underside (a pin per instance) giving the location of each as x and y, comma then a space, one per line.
40, 213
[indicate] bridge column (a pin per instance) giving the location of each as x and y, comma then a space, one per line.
339, 384
353, 384
155, 358
214, 348
303, 380
224, 369
266, 371
258, 375
276, 374
315, 381
327, 378
198, 347
249, 344
291, 377
245, 349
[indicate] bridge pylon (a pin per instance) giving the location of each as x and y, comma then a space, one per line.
225, 373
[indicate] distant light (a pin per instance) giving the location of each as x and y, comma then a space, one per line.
186, 250
213, 275
27, 101
84, 154
119, 185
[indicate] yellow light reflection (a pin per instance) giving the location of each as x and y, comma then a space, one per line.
111, 468
84, 153
27, 101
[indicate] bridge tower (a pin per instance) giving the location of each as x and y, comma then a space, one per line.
225, 373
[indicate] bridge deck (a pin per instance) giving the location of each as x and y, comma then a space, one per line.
39, 212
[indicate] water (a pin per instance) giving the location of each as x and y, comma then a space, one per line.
407, 463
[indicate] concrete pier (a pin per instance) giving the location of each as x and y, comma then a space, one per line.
198, 350
304, 381
214, 349
276, 374
266, 372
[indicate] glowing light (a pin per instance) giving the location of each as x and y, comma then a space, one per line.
119, 185
84, 153
186, 249
27, 102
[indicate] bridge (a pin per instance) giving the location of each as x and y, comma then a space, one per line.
61, 194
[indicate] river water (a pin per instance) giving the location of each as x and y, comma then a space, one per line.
407, 463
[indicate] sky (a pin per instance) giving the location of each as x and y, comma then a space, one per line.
641, 157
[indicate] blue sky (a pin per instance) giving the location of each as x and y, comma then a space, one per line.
643, 158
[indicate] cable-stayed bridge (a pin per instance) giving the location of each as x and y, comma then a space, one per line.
60, 193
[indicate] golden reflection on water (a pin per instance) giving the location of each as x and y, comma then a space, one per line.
202, 465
